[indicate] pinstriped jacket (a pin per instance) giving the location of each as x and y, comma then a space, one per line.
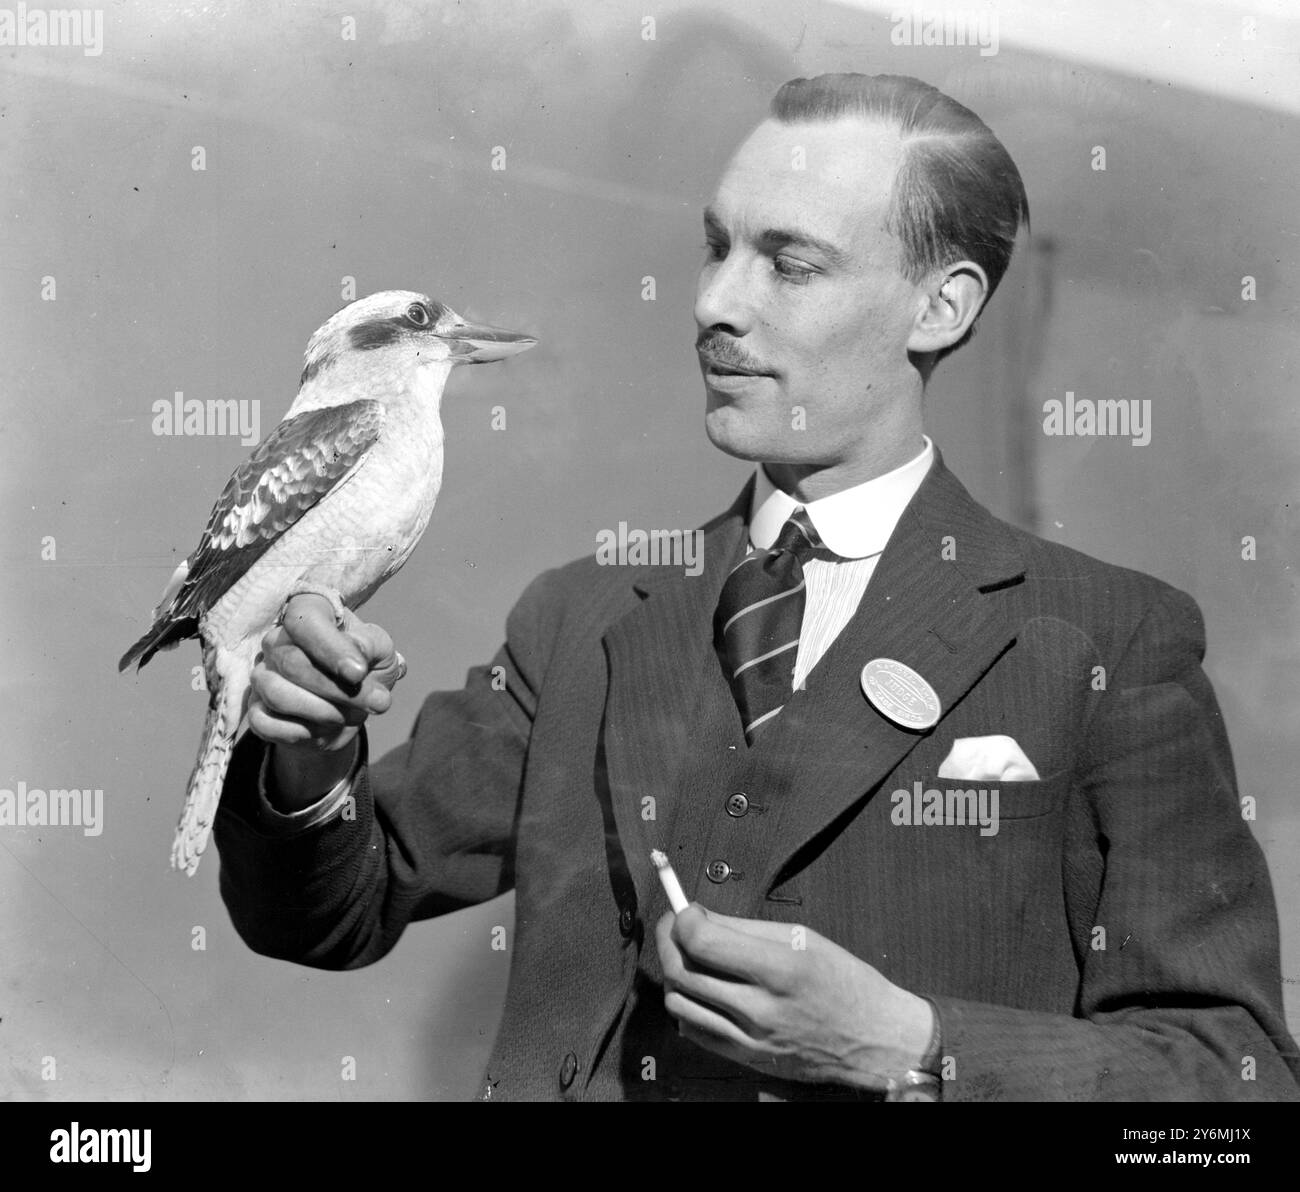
1114, 939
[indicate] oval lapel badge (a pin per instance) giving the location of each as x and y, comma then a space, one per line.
899, 693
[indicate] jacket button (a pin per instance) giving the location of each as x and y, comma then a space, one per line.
717, 871
626, 920
738, 804
568, 1070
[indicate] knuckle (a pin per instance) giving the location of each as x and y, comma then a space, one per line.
272, 701
784, 979
272, 660
373, 642
294, 664
303, 616
261, 724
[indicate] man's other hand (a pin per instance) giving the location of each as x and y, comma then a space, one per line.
787, 1001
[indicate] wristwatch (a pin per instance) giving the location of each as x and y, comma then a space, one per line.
921, 1084
914, 1086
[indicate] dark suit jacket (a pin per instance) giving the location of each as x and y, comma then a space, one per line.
604, 728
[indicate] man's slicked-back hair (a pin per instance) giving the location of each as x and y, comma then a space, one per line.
957, 194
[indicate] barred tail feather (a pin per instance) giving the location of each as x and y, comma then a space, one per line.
209, 773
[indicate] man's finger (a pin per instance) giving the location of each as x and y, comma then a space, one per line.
386, 665
295, 665
345, 655
734, 997
287, 699
738, 1000
706, 1026
763, 928
710, 944
274, 730
309, 622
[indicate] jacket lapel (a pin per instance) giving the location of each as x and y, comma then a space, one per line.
922, 609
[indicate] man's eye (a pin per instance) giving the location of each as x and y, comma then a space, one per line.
792, 270
715, 250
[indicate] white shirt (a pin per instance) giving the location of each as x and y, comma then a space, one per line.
854, 524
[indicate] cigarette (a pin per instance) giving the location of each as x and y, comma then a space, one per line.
672, 887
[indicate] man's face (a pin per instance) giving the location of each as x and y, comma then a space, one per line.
802, 287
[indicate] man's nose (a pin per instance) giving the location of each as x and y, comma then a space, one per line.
721, 296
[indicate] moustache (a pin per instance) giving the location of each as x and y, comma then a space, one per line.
726, 352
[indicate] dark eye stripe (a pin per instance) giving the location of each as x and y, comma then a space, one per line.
378, 333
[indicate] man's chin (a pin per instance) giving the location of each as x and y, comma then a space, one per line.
735, 434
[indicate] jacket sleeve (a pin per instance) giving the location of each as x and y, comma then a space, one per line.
430, 830
1183, 1001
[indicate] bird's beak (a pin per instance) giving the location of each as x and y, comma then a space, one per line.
477, 343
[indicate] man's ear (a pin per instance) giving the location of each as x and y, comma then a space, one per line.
950, 303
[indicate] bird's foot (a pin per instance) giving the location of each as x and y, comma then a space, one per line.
307, 589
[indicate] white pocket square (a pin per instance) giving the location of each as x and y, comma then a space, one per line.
987, 759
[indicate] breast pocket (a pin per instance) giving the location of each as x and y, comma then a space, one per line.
984, 805
1028, 800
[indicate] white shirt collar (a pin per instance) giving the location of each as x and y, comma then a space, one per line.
853, 523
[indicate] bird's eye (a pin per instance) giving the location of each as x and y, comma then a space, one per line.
416, 314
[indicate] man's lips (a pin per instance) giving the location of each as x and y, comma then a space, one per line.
723, 369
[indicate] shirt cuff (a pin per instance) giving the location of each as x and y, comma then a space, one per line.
325, 808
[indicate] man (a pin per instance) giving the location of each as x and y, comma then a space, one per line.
955, 804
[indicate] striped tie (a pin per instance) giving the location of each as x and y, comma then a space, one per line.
759, 616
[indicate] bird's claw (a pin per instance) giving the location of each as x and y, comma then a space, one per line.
331, 594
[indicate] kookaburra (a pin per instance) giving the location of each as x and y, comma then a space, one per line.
333, 501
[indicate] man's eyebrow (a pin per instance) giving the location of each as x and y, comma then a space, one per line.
711, 221
774, 238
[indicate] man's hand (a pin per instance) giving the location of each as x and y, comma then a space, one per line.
312, 688
787, 1001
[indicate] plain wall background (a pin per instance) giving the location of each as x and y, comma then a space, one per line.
372, 158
